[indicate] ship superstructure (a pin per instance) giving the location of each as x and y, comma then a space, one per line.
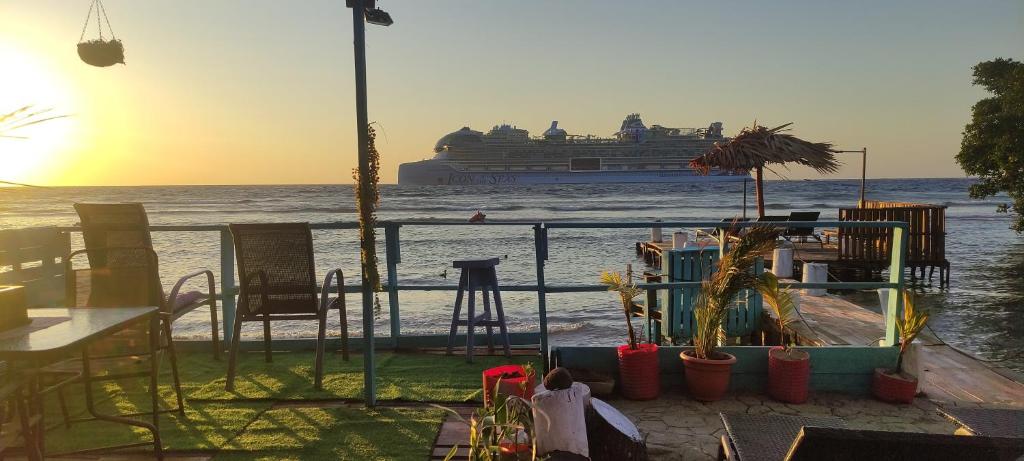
509, 155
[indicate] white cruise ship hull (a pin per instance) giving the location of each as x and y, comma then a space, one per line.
437, 172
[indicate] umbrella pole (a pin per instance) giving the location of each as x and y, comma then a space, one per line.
759, 191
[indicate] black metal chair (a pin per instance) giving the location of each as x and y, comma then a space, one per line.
278, 282
126, 226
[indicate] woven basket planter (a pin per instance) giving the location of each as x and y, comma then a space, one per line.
101, 53
640, 376
892, 387
707, 379
789, 374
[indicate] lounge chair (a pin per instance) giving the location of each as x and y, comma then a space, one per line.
803, 233
125, 226
990, 422
278, 282
778, 437
729, 227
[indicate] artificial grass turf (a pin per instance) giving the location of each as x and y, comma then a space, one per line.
245, 424
337, 433
400, 377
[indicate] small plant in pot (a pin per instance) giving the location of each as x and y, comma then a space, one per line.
640, 377
893, 385
708, 370
789, 369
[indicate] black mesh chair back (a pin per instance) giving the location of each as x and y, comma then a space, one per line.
276, 269
120, 282
802, 216
123, 269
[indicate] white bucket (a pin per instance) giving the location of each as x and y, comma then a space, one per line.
782, 263
679, 240
656, 234
815, 273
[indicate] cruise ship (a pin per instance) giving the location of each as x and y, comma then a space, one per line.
507, 155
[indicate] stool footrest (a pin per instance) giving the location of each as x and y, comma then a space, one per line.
479, 323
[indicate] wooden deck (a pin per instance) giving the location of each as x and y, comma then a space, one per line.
949, 375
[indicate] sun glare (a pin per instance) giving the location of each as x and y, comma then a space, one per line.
26, 153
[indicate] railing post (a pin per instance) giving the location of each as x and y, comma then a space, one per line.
393, 256
227, 283
540, 243
899, 252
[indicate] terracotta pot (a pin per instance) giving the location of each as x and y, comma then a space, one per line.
511, 378
707, 379
892, 387
788, 374
640, 377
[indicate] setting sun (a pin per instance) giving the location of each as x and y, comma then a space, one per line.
26, 153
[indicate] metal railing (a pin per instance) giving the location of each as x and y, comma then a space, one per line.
541, 236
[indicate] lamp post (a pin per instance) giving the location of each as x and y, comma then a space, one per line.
863, 170
365, 10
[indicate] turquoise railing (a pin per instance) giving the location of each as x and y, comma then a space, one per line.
541, 235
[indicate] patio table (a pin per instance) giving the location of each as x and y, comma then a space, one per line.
53, 335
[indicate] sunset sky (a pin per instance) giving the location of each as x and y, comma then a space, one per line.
260, 91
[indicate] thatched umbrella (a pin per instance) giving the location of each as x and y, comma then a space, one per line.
758, 147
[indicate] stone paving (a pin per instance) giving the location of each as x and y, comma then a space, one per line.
678, 428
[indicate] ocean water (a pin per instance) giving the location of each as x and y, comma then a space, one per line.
980, 312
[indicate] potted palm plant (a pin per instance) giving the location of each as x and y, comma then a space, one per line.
893, 385
789, 369
708, 370
638, 363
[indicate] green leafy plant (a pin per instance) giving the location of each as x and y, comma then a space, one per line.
627, 290
909, 325
509, 420
994, 139
781, 302
717, 292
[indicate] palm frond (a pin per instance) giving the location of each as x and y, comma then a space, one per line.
758, 146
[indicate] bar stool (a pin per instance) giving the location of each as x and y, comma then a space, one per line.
478, 274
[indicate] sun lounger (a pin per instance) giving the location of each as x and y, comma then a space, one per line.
989, 422
778, 437
802, 233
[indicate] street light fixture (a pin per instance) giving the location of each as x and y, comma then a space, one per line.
365, 11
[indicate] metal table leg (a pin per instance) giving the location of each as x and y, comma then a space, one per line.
154, 428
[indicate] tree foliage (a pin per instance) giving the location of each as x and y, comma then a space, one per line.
993, 144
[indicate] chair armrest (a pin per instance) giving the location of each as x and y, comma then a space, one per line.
211, 288
333, 274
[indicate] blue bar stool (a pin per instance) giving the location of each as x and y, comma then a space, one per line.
478, 274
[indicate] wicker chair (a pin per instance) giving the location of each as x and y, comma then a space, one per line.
278, 282
126, 225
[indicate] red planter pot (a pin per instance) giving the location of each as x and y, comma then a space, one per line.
509, 379
511, 451
639, 372
788, 375
707, 379
888, 386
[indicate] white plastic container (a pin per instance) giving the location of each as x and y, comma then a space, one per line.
679, 240
782, 263
815, 273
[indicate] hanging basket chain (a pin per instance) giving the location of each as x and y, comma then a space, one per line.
100, 10
106, 19
86, 25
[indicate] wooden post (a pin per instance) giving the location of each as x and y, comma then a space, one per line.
759, 190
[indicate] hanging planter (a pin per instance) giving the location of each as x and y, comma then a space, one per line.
100, 52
